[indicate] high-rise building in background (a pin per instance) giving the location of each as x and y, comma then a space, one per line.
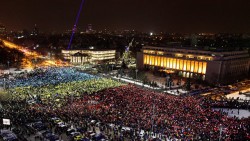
35, 30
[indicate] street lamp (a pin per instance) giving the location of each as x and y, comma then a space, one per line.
168, 79
71, 97
136, 74
4, 84
8, 62
112, 67
152, 118
220, 132
170, 84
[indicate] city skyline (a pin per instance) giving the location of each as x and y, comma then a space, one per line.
161, 15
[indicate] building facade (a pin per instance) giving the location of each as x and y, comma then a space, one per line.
214, 67
92, 56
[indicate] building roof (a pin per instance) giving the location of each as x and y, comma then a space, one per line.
80, 54
96, 49
210, 49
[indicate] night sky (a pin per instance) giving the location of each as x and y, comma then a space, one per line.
143, 15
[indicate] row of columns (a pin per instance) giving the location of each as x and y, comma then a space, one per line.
175, 63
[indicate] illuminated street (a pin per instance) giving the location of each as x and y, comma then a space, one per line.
33, 55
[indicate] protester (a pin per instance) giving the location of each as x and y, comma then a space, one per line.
55, 83
77, 97
47, 76
176, 117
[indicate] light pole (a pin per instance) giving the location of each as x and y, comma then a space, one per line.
168, 79
170, 84
220, 132
152, 119
72, 98
35, 62
4, 84
8, 62
112, 67
136, 74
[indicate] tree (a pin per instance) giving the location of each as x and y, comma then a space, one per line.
124, 65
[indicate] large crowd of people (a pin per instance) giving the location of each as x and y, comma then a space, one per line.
86, 96
75, 88
55, 83
176, 117
47, 76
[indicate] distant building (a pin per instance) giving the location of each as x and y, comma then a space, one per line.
88, 55
35, 30
212, 66
89, 29
2, 30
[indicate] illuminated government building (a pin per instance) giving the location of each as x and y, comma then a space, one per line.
211, 66
88, 55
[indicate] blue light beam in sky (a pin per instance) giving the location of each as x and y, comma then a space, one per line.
75, 25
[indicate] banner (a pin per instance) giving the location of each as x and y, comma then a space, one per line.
6, 121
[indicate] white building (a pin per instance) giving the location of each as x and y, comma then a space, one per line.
88, 55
